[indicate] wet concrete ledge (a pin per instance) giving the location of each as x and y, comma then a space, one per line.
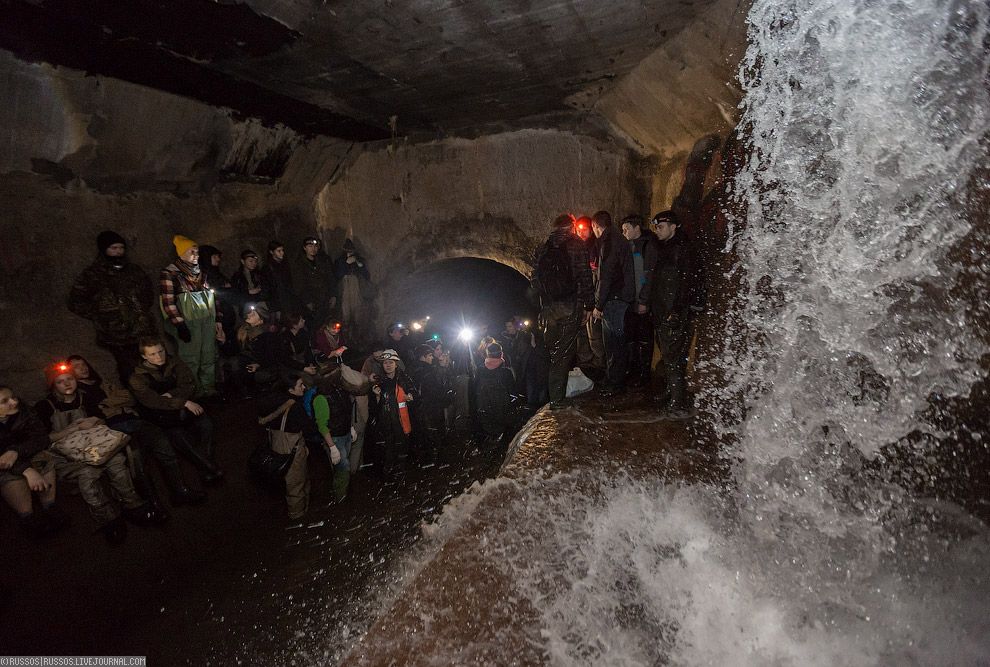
460, 607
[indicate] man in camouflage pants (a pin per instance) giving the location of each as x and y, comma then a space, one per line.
117, 296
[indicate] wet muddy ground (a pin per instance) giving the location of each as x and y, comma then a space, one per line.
234, 582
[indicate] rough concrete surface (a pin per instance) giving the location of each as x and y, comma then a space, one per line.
494, 197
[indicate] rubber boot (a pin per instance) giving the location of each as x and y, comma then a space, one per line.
341, 479
178, 491
213, 476
144, 515
209, 473
644, 357
144, 484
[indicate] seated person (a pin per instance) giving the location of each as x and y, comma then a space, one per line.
330, 339
256, 365
294, 352
66, 411
493, 390
147, 440
26, 466
288, 397
333, 409
163, 386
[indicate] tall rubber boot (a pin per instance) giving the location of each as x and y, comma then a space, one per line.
209, 473
178, 491
144, 484
644, 355
341, 479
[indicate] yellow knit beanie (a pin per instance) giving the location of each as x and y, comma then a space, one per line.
182, 244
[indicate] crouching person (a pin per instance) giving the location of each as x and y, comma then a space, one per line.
65, 414
148, 441
26, 466
289, 427
164, 387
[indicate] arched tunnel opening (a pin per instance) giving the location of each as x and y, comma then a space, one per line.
821, 498
464, 293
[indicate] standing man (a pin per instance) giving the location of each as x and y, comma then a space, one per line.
639, 326
117, 296
677, 295
590, 346
190, 314
562, 278
350, 269
279, 277
614, 291
314, 282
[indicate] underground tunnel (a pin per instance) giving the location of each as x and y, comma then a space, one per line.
823, 501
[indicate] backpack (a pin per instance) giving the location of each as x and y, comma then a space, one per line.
553, 277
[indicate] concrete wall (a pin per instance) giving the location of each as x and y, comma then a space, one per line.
494, 197
82, 154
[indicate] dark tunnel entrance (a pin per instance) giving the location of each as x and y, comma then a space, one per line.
464, 292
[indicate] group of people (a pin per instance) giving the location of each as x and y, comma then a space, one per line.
606, 294
96, 427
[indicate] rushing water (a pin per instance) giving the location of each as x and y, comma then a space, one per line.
863, 304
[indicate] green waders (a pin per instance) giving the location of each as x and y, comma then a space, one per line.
199, 354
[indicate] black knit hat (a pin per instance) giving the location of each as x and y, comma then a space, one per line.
106, 239
348, 244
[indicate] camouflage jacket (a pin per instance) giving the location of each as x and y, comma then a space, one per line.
118, 301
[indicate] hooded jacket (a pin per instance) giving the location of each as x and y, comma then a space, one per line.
117, 300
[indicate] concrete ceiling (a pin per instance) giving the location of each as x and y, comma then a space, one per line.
347, 67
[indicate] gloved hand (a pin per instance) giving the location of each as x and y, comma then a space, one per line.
183, 330
334, 455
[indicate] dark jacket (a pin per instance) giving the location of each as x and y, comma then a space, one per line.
493, 388
240, 284
314, 280
341, 268
384, 412
332, 412
25, 434
297, 421
118, 301
644, 251
432, 387
149, 382
225, 298
580, 261
679, 282
614, 270
279, 278
293, 350
260, 346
